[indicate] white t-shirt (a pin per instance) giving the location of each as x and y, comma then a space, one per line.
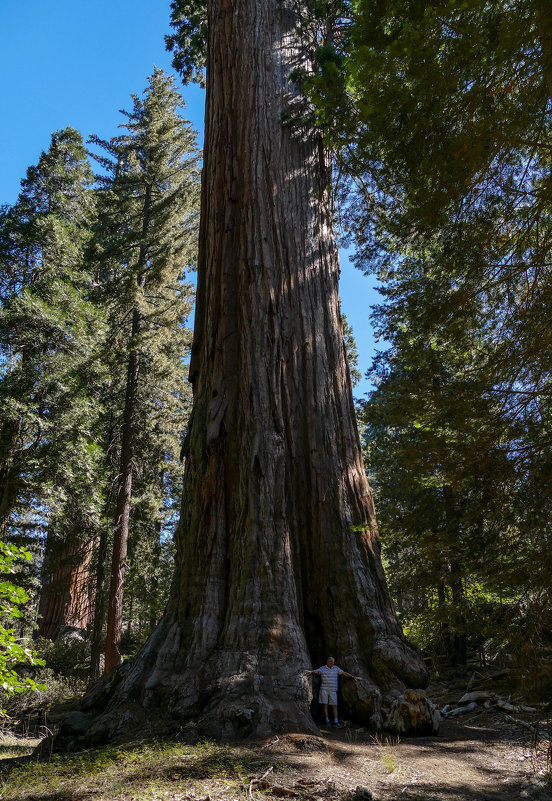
329, 677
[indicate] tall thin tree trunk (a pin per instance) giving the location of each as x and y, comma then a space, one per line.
9, 474
278, 562
122, 513
458, 642
96, 647
459, 652
154, 588
130, 614
12, 459
124, 494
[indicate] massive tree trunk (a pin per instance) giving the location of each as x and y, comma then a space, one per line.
278, 562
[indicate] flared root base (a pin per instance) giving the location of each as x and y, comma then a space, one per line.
161, 692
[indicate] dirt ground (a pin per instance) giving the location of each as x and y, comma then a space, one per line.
485, 760
480, 756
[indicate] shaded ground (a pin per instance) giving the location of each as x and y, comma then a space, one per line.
486, 759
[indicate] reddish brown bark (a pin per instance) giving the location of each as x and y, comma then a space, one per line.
9, 471
278, 561
65, 598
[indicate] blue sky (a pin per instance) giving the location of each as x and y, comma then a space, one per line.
76, 62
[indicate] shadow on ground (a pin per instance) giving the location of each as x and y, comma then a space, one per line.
465, 763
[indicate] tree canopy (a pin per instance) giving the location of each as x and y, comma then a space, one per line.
446, 139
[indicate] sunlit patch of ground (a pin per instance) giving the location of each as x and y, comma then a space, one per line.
464, 763
11, 746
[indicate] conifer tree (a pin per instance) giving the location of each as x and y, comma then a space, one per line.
148, 234
438, 454
352, 351
49, 329
447, 134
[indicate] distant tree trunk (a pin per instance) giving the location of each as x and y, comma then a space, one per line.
9, 474
96, 646
444, 627
65, 597
154, 606
457, 632
120, 539
459, 646
130, 614
124, 494
278, 562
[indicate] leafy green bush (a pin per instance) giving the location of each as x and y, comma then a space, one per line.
13, 651
482, 617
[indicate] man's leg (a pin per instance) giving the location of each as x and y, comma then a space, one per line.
336, 719
325, 708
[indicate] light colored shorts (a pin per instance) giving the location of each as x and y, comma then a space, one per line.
327, 697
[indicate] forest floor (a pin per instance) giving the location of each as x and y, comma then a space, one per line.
483, 758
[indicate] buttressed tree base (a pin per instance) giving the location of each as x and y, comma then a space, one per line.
278, 562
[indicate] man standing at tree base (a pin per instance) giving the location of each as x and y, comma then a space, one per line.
330, 673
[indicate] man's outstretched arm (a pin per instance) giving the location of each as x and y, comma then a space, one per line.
350, 676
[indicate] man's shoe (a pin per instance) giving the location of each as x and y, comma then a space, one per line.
337, 725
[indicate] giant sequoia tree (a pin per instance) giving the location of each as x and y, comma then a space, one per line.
277, 554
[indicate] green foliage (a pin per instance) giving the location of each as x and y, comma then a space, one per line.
60, 672
12, 651
49, 330
352, 351
189, 42
146, 243
66, 658
461, 93
447, 138
79, 256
